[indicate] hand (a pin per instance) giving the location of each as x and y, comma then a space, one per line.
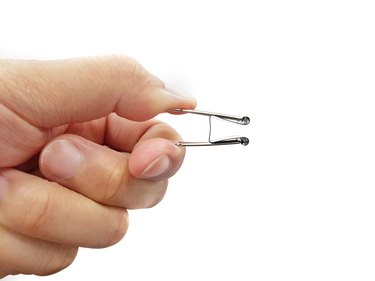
74, 156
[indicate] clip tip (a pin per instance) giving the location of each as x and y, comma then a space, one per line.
244, 141
245, 120
177, 111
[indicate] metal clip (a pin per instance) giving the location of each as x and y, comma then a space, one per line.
243, 120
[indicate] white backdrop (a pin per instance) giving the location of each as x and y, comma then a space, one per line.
298, 203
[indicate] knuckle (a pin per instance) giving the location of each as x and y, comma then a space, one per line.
137, 76
123, 190
118, 229
164, 130
124, 66
38, 213
158, 194
117, 180
149, 198
57, 261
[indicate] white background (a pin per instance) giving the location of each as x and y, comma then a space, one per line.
298, 203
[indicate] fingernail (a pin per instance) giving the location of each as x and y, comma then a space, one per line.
178, 92
157, 168
61, 159
3, 186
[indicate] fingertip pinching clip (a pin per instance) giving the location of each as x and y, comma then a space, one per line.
241, 120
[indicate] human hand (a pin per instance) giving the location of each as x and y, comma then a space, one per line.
78, 148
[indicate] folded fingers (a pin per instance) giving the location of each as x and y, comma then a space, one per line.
40, 209
23, 254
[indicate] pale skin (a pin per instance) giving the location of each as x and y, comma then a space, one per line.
74, 156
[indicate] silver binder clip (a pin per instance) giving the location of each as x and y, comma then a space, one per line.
243, 120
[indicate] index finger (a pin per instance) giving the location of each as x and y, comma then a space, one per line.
53, 93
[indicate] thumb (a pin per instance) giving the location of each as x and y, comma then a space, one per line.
53, 93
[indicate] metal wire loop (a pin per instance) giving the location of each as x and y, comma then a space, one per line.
241, 120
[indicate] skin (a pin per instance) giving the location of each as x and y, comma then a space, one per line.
78, 148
